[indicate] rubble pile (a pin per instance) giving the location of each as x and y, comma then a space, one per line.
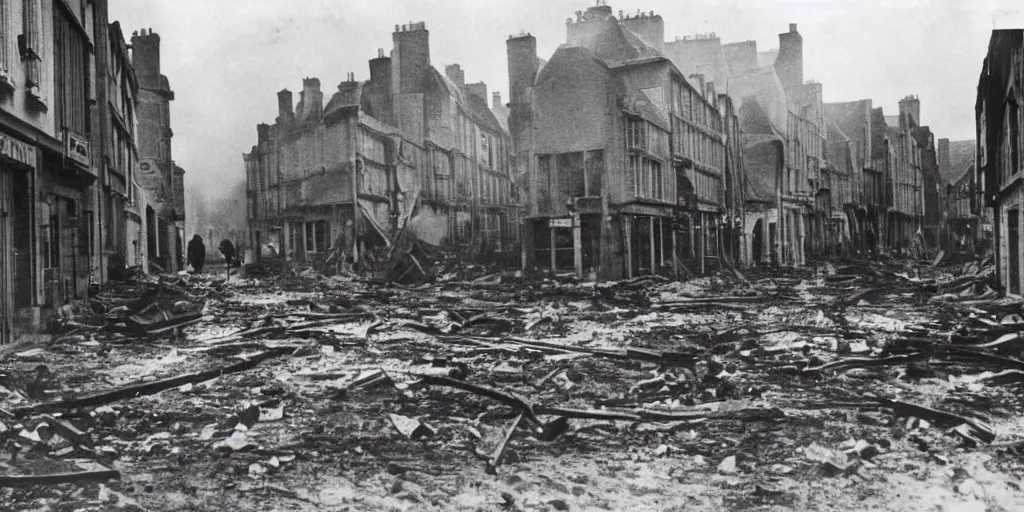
315, 391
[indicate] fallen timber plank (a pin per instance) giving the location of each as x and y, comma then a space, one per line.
501, 396
984, 431
59, 478
499, 452
151, 388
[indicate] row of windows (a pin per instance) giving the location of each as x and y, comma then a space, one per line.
648, 177
690, 142
567, 176
691, 106
642, 135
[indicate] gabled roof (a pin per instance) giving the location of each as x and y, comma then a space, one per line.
961, 154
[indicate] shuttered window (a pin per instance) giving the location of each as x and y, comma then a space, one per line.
71, 80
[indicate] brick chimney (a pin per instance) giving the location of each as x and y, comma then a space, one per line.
455, 73
911, 106
146, 58
943, 157
285, 108
477, 89
789, 65
410, 61
649, 26
496, 100
311, 100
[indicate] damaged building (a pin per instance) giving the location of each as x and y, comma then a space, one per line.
999, 123
900, 156
790, 212
960, 195
849, 147
626, 157
65, 171
164, 214
410, 153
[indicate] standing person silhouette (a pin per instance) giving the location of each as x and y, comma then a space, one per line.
197, 254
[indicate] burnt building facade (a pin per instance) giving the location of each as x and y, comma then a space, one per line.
626, 158
164, 220
960, 196
999, 123
789, 212
411, 152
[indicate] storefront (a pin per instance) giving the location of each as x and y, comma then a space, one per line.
17, 162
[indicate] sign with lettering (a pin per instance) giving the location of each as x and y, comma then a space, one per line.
18, 151
561, 223
77, 148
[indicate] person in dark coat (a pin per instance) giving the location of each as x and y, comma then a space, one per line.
196, 254
228, 250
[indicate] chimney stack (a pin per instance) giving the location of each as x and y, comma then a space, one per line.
410, 64
285, 107
478, 89
455, 73
496, 100
789, 64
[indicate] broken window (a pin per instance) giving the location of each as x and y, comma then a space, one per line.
544, 182
572, 182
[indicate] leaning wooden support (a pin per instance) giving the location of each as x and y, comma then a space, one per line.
499, 452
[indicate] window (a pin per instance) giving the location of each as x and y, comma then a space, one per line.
71, 73
595, 172
571, 178
636, 134
316, 237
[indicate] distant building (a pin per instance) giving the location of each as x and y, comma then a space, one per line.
959, 194
626, 157
999, 123
410, 151
156, 175
789, 210
849, 147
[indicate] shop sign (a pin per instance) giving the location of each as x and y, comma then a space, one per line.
18, 151
77, 148
561, 223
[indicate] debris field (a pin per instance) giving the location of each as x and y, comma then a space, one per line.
883, 385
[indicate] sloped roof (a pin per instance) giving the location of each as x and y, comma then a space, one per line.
760, 176
762, 85
961, 154
892, 121
617, 46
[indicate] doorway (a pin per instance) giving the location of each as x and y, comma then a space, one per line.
1013, 228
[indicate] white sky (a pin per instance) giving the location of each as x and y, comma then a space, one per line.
227, 59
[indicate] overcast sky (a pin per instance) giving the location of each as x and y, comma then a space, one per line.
226, 59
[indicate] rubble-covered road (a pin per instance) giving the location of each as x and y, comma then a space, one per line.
867, 386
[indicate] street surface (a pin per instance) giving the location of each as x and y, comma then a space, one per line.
870, 386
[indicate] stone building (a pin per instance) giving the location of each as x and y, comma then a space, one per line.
156, 175
789, 212
411, 151
999, 123
54, 182
900, 156
849, 146
625, 156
